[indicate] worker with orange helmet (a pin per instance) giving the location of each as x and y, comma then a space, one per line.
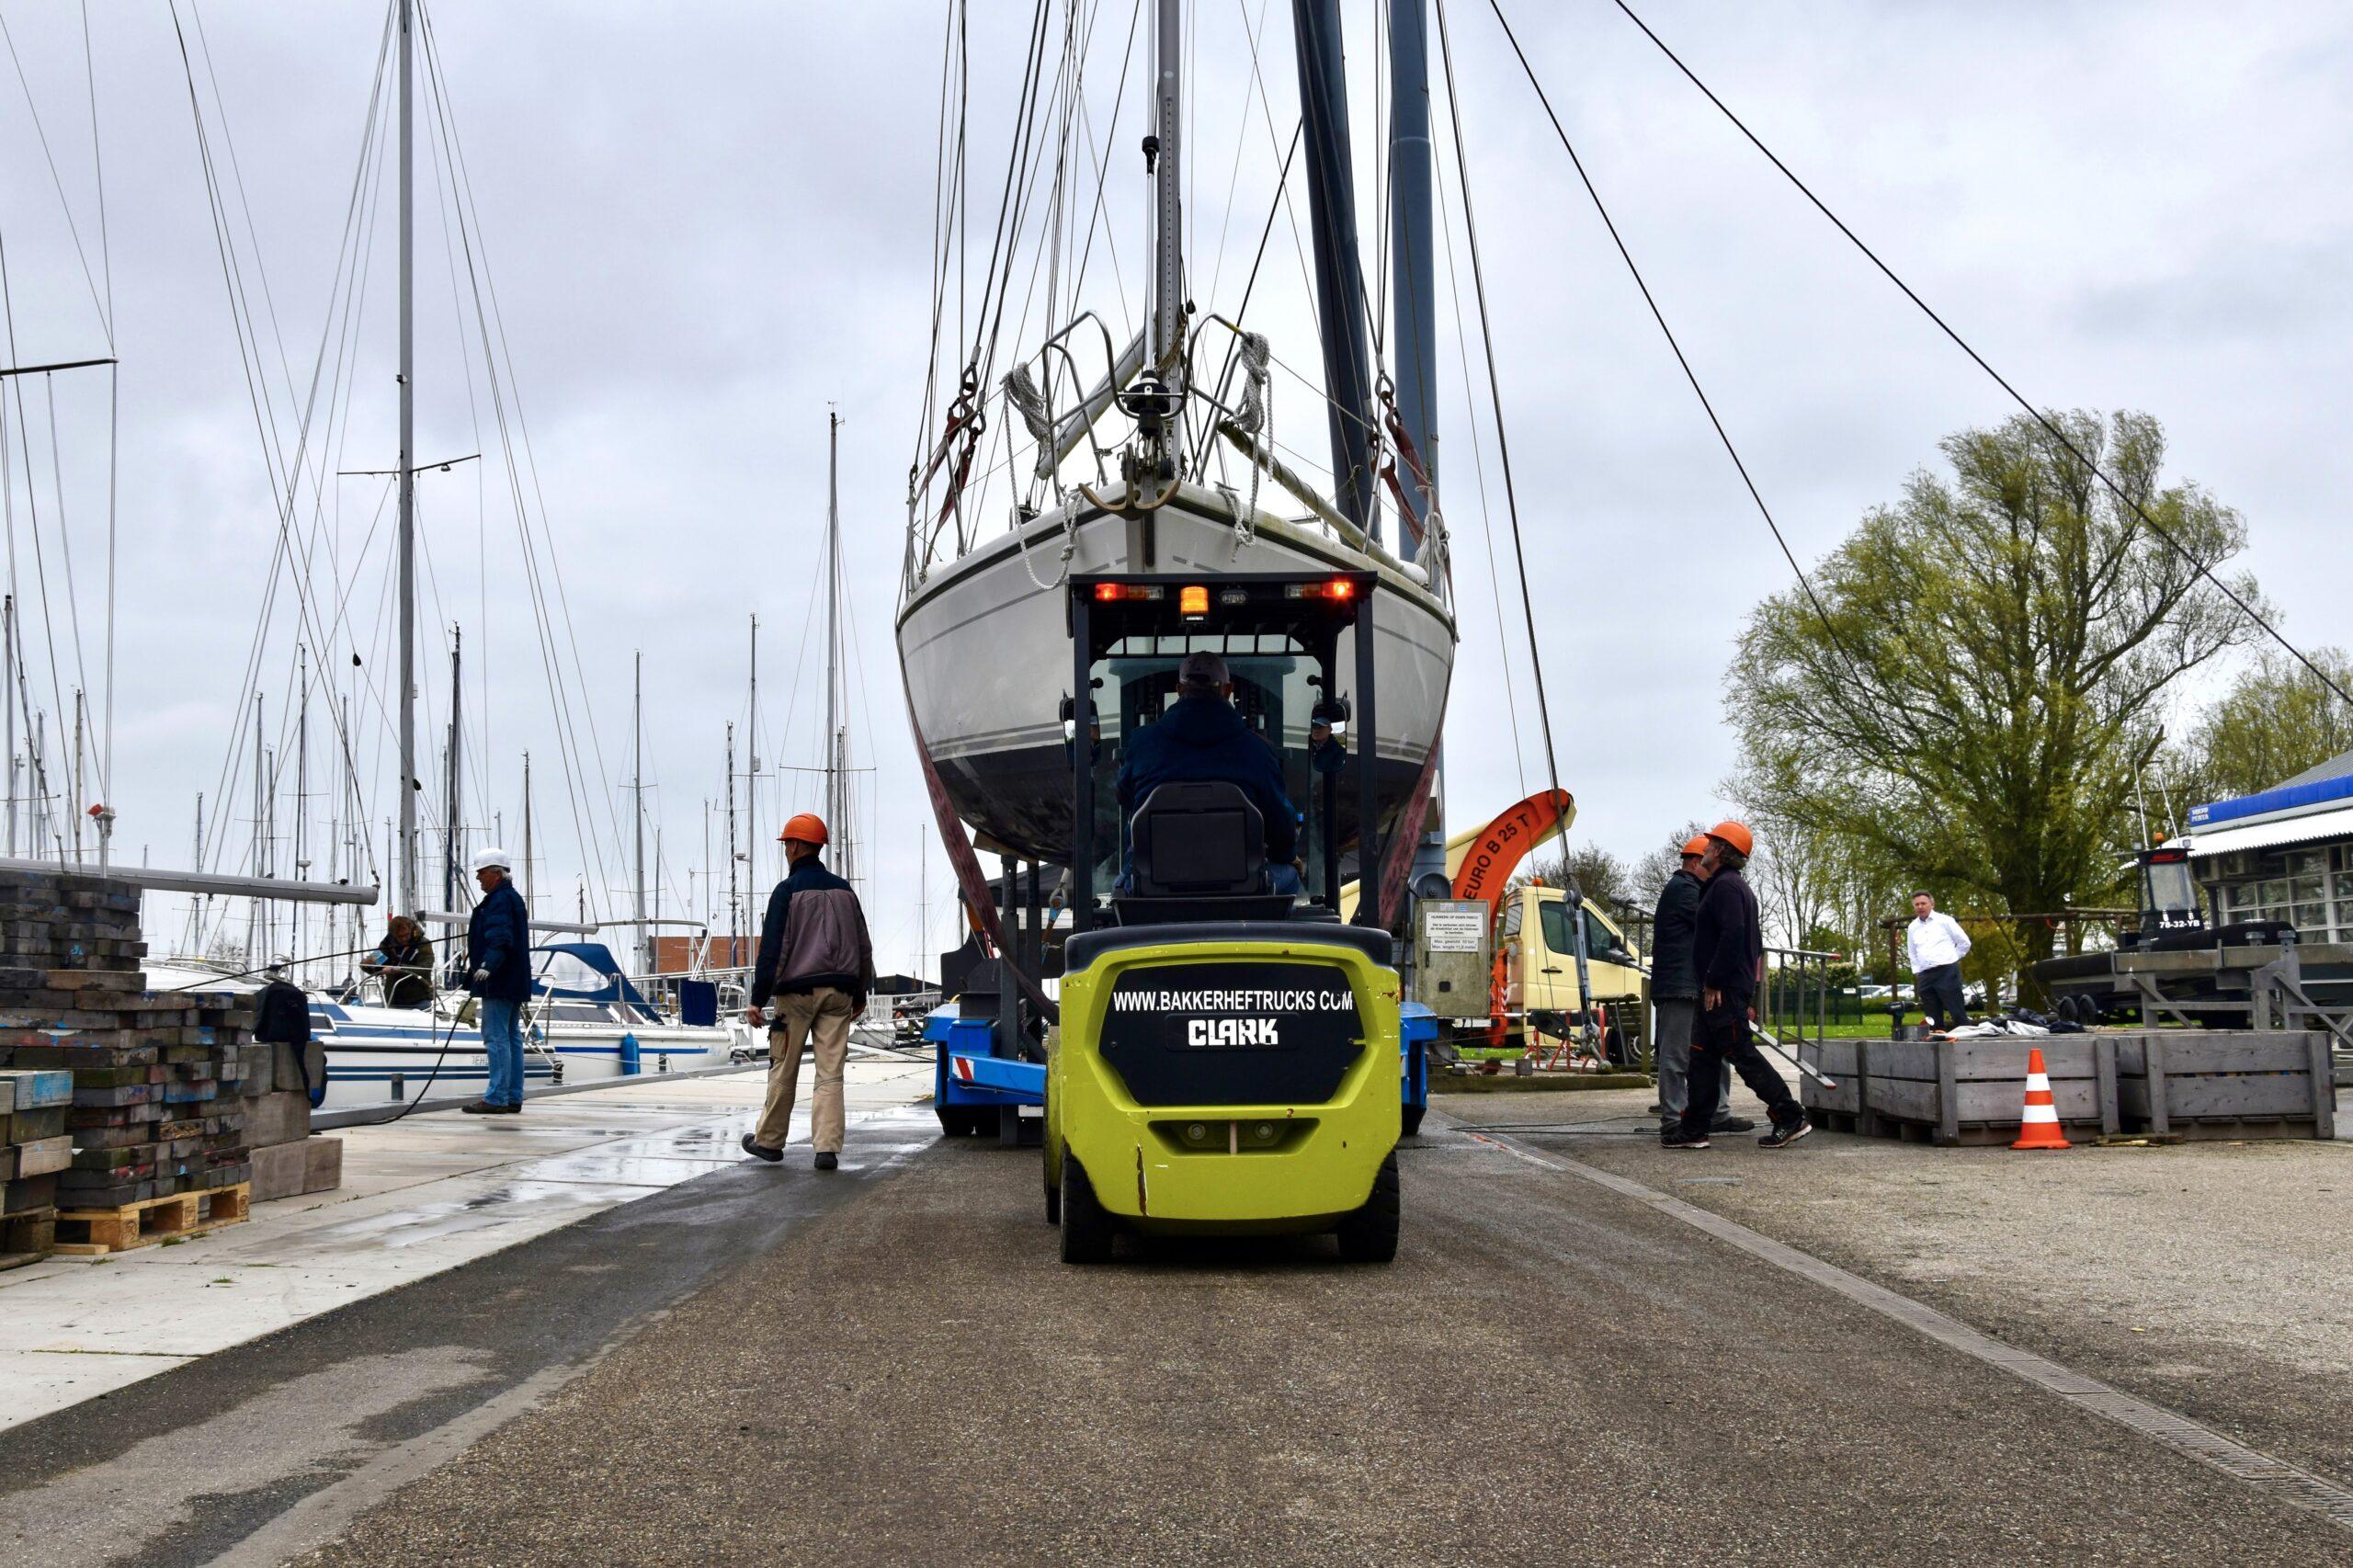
1674, 994
1728, 950
816, 963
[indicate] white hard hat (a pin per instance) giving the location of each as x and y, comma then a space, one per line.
493, 857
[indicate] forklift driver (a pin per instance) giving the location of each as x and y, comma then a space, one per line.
1201, 739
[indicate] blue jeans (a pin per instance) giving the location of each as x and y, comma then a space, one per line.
502, 1041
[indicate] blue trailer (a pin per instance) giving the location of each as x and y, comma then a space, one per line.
976, 1090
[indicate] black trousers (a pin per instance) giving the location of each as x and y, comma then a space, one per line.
1940, 998
1723, 1037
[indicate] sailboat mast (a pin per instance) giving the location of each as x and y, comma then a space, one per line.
734, 899
453, 841
530, 899
1339, 269
408, 783
8, 702
301, 781
1168, 194
637, 794
1413, 314
836, 819
752, 772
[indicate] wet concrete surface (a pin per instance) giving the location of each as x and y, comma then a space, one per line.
1551, 1372
182, 1467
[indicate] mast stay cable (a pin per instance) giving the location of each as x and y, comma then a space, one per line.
2037, 414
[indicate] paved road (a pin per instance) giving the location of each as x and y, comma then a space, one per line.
900, 1372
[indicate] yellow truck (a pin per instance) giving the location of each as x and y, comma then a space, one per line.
1536, 969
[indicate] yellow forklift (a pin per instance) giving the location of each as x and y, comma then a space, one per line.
1228, 1057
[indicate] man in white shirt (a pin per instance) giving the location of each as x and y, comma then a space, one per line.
1937, 944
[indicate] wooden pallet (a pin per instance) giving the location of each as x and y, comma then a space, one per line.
94, 1232
26, 1236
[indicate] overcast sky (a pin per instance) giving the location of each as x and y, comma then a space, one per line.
705, 223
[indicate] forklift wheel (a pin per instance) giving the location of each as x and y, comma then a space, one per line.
1087, 1229
1368, 1235
1053, 1201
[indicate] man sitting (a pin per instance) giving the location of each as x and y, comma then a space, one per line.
1201, 739
404, 959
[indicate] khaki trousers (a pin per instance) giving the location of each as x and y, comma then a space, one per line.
825, 1014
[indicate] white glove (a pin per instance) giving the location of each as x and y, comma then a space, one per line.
481, 977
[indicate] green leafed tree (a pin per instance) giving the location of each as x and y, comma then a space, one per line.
2276, 720
1989, 659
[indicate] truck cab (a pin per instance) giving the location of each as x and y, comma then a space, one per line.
1536, 958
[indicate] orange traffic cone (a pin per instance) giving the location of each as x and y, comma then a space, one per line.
2039, 1127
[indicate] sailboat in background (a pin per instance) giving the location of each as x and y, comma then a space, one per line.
587, 1017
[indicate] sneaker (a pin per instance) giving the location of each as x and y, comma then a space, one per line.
1731, 1124
761, 1151
1676, 1140
827, 1160
1785, 1133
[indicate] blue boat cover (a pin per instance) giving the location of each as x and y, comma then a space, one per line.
599, 959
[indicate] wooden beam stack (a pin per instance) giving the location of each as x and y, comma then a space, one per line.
157, 1109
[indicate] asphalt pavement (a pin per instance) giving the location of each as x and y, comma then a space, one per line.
889, 1365
1551, 1372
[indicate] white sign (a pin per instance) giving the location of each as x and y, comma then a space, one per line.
1454, 930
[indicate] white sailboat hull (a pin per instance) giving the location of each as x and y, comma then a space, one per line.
985, 647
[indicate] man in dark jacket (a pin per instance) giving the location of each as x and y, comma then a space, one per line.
817, 964
1201, 739
498, 951
1728, 953
403, 961
1674, 994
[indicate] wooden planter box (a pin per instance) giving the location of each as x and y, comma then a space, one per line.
2226, 1083
1974, 1091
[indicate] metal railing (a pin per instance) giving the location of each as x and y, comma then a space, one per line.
1795, 1000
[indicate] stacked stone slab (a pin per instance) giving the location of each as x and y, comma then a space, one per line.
157, 1109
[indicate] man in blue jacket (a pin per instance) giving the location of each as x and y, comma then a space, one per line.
1201, 739
498, 951
1728, 951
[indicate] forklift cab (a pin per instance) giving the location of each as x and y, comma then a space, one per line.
1227, 1058
1280, 638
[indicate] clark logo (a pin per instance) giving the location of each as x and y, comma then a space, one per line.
1230, 1031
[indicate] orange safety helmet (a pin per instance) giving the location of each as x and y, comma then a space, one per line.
1736, 834
807, 827
1696, 845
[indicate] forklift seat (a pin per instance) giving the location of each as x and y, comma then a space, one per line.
1199, 853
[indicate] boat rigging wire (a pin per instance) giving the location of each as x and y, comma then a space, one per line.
105, 315
1479, 467
2037, 414
1658, 315
114, 396
1494, 394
